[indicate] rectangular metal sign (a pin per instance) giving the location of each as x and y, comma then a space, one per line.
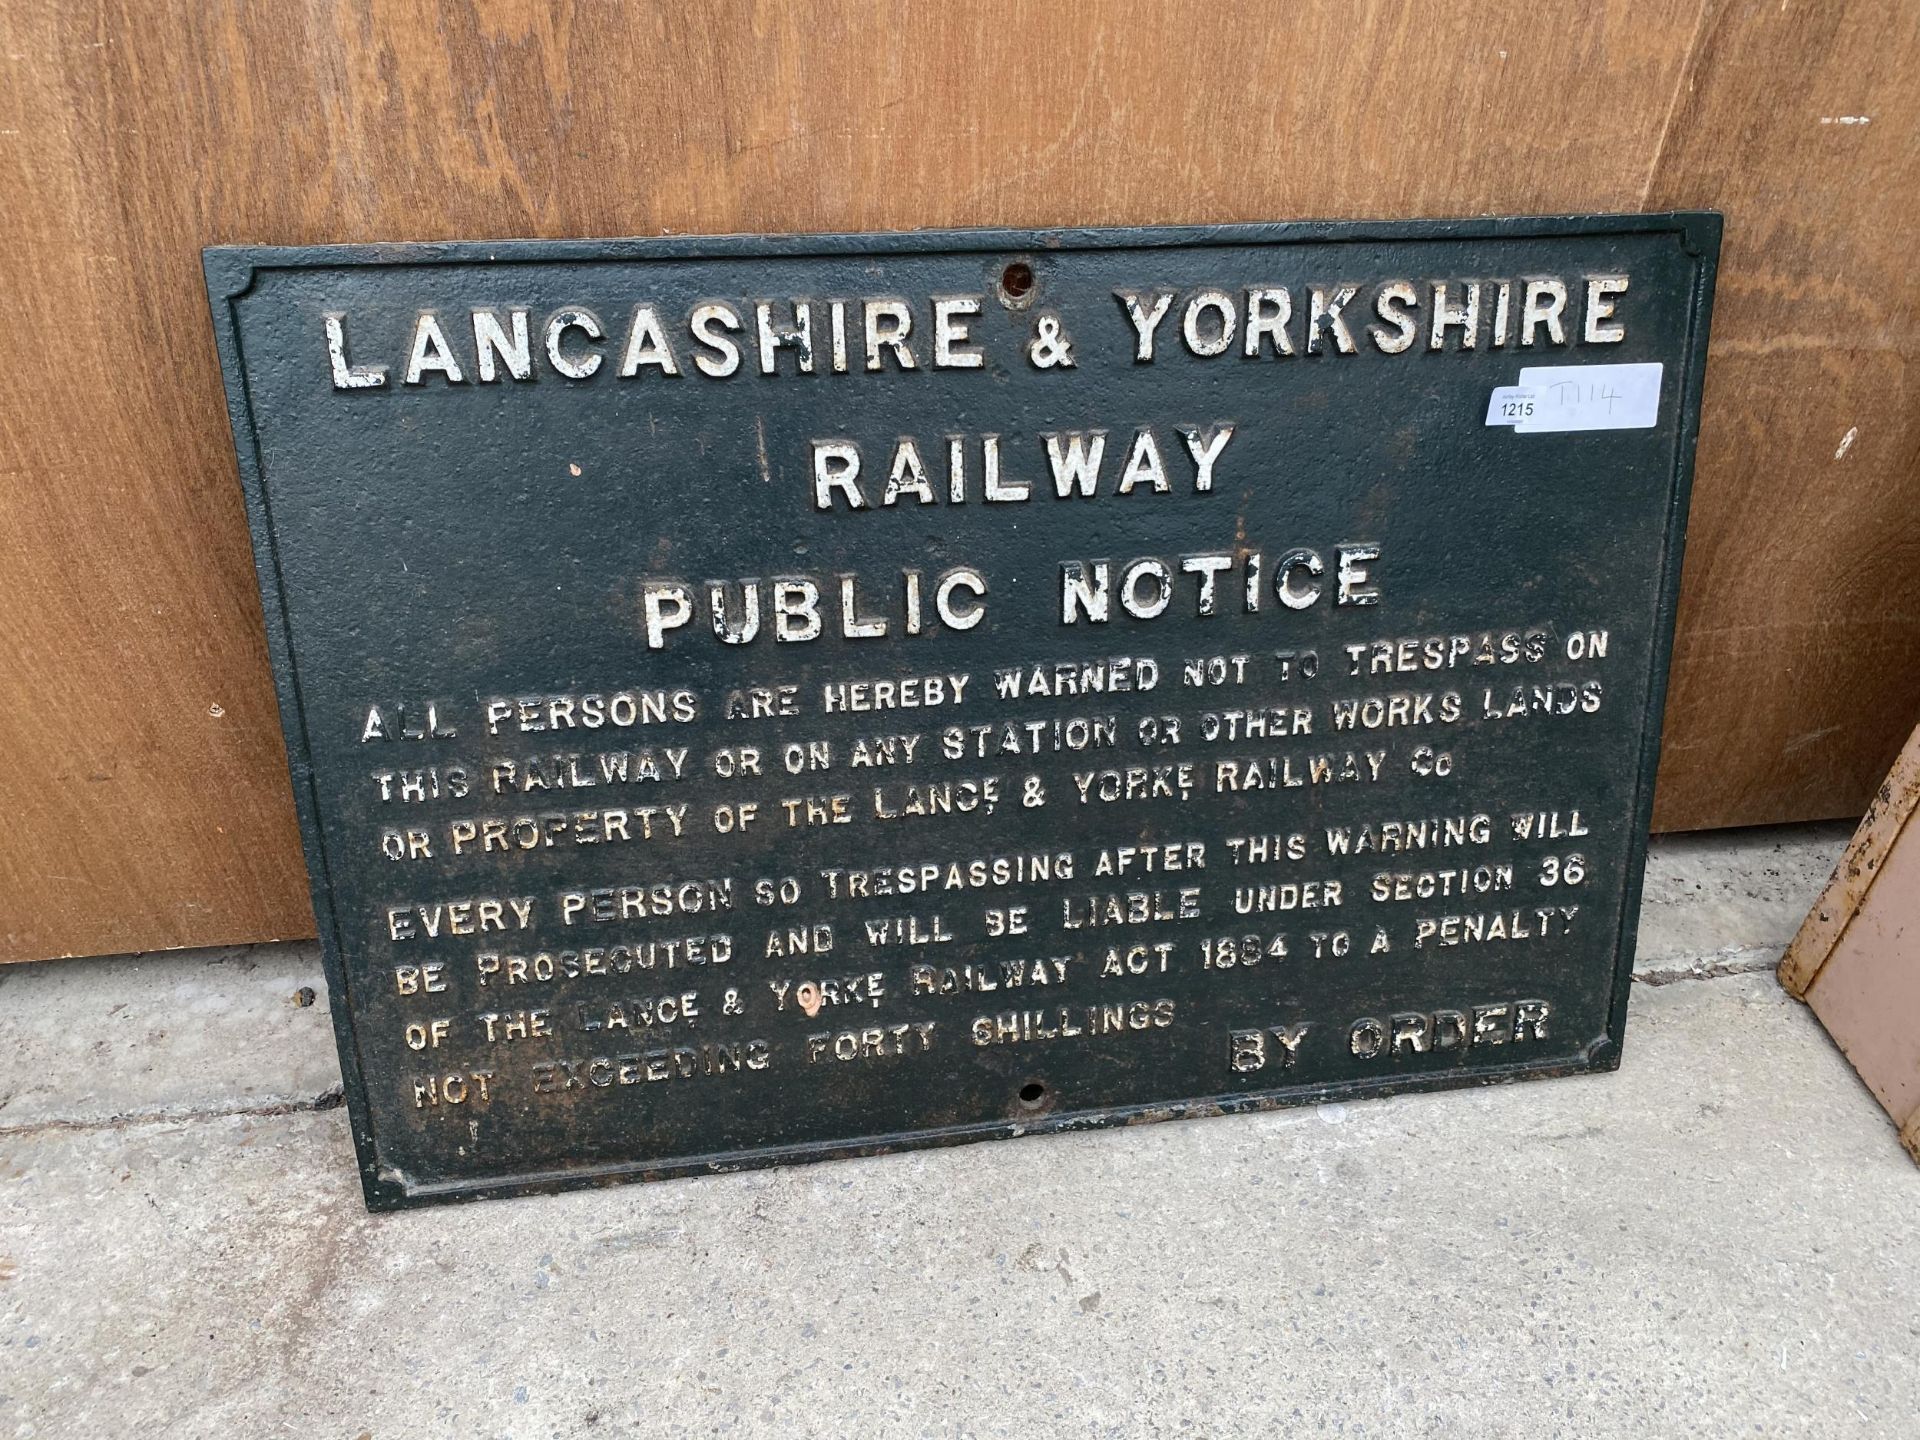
754, 700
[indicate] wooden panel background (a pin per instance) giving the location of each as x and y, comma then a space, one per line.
143, 796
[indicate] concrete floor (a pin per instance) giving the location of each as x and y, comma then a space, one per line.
1723, 1238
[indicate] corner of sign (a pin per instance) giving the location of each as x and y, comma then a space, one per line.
1700, 231
230, 270
1603, 1053
385, 1188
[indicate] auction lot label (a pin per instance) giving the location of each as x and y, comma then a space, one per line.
755, 700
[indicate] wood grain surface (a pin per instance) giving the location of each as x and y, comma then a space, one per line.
143, 791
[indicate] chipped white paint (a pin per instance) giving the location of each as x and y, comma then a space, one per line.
1846, 443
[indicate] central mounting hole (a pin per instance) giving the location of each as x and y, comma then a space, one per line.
1032, 1093
1017, 280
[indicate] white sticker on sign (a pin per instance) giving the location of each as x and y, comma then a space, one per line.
1552, 398
1510, 405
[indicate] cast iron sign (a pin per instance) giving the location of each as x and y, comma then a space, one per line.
755, 700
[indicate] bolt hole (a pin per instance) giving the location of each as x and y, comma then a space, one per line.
1016, 281
304, 996
1032, 1093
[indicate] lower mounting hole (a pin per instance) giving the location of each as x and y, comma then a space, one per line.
1016, 281
1032, 1093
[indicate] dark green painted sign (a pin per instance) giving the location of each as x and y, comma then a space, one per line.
756, 700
